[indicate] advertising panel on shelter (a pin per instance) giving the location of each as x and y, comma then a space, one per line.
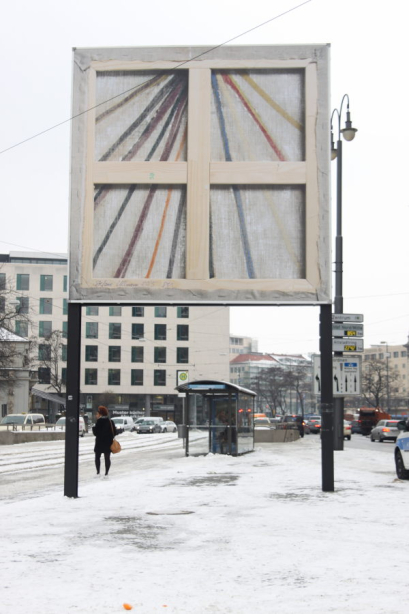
201, 177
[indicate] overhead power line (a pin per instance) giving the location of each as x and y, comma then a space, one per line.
65, 121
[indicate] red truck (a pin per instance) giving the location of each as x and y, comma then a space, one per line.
369, 417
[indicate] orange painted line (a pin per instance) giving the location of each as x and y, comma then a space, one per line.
165, 212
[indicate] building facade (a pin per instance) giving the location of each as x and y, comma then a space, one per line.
395, 359
130, 354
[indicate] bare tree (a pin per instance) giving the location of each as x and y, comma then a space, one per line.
14, 320
375, 382
49, 357
271, 386
297, 379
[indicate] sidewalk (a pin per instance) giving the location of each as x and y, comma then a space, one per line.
215, 534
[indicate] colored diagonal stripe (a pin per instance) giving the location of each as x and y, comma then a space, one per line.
138, 90
164, 214
176, 233
230, 81
237, 195
123, 267
272, 102
152, 125
168, 87
178, 106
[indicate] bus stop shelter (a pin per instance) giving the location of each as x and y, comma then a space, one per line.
218, 418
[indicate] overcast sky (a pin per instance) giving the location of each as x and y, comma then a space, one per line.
368, 61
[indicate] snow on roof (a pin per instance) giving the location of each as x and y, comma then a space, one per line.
253, 357
6, 335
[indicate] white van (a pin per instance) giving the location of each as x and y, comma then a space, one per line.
123, 423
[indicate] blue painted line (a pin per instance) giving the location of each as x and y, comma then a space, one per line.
236, 191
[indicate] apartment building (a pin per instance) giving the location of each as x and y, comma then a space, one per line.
242, 345
130, 354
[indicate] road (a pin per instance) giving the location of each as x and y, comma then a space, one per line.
27, 469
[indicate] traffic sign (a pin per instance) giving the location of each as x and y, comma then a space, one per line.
346, 374
347, 330
348, 345
347, 317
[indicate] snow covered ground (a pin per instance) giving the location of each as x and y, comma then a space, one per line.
254, 534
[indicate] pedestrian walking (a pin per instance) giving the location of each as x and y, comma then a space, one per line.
104, 431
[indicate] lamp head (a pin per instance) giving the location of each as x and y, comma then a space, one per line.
349, 132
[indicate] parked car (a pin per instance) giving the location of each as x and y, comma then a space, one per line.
21, 421
149, 426
168, 426
155, 419
262, 423
355, 427
385, 430
124, 423
315, 425
61, 422
347, 430
402, 450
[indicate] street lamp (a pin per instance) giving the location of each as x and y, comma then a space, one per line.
387, 374
336, 153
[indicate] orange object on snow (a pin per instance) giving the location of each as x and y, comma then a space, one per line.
127, 606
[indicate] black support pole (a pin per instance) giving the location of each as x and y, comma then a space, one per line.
327, 413
73, 400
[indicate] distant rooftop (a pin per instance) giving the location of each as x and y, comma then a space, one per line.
35, 257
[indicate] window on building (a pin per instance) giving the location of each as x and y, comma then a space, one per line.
46, 282
159, 377
381, 356
91, 377
91, 353
403, 354
182, 332
182, 355
45, 328
65, 283
65, 307
2, 281
137, 331
92, 311
183, 312
138, 312
114, 353
44, 375
115, 310
64, 353
115, 331
64, 375
114, 377
396, 354
159, 355
136, 377
24, 304
21, 328
91, 330
160, 312
46, 305
23, 281
65, 330
2, 304
160, 332
137, 354
44, 351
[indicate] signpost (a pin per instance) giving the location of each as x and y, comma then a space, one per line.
346, 375
348, 345
347, 330
347, 317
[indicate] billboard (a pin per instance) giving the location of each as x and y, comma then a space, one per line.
201, 177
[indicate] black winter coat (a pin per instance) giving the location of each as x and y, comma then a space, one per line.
104, 434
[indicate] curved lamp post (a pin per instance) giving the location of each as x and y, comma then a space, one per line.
348, 134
